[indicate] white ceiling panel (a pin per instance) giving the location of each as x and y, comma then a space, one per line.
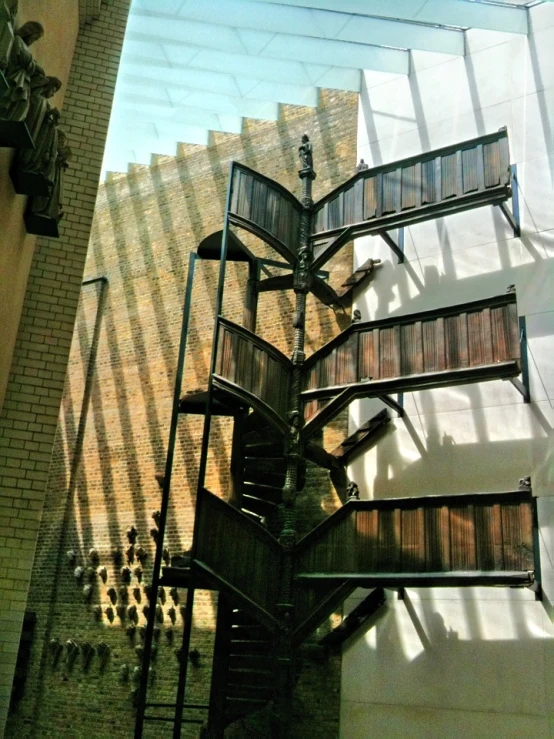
191, 66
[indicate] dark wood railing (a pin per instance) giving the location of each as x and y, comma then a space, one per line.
265, 208
481, 533
253, 370
455, 178
240, 554
475, 341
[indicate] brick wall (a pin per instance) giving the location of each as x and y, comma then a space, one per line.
112, 435
32, 402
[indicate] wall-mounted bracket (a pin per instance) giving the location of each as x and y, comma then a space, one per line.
512, 216
396, 405
398, 248
522, 386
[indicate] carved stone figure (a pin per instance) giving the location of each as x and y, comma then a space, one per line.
362, 166
352, 491
356, 316
44, 213
21, 69
8, 13
35, 171
305, 152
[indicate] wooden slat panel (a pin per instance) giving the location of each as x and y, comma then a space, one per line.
511, 319
238, 551
365, 357
428, 182
499, 338
370, 197
389, 555
347, 356
470, 169
358, 201
473, 535
484, 538
511, 537
462, 538
449, 176
389, 351
413, 540
411, 348
349, 206
410, 186
391, 192
491, 153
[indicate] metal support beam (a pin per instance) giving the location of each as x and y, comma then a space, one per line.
156, 573
397, 406
522, 386
398, 248
512, 216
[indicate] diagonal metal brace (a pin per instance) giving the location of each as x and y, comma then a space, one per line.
398, 248
512, 216
397, 406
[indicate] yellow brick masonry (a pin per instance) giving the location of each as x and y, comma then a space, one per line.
30, 413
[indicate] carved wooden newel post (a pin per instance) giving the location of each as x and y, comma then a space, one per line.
294, 480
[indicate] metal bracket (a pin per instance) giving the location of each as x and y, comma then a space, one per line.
513, 216
398, 248
397, 406
522, 386
323, 274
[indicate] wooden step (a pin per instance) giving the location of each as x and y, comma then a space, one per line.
272, 465
264, 448
250, 662
259, 506
239, 616
253, 691
262, 476
250, 676
236, 707
270, 493
249, 631
249, 647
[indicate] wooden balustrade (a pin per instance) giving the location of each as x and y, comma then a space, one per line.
455, 178
265, 208
242, 555
463, 343
481, 533
253, 370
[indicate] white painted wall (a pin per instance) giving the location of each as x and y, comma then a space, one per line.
476, 662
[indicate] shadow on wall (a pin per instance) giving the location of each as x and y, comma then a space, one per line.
447, 650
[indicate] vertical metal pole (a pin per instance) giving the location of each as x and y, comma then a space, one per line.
143, 686
203, 457
515, 200
524, 359
537, 551
251, 300
182, 683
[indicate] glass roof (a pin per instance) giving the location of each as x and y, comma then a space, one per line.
190, 67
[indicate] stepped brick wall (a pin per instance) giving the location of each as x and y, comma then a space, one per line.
112, 432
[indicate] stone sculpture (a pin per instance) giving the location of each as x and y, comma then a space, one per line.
43, 214
15, 99
305, 152
352, 491
8, 12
